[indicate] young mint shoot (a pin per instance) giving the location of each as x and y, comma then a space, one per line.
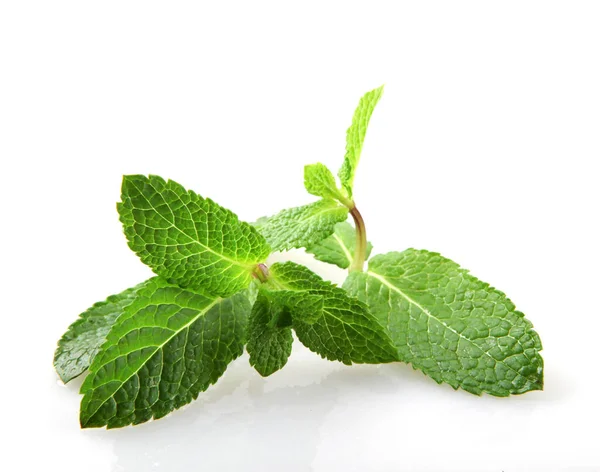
155, 347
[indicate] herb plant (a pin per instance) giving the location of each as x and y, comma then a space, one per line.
154, 347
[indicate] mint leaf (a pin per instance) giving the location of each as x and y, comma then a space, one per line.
449, 324
302, 226
338, 248
355, 137
269, 344
298, 305
319, 181
344, 330
269, 334
189, 240
303, 306
169, 345
80, 344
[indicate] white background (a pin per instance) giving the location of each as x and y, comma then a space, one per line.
484, 147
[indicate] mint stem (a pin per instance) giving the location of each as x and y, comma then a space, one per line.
360, 252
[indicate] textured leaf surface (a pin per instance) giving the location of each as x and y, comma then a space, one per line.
80, 344
298, 305
269, 345
169, 345
338, 248
452, 326
303, 306
344, 330
189, 240
355, 137
302, 226
319, 181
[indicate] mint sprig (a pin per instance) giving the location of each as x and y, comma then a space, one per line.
155, 347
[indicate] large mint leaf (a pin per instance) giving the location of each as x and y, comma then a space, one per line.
449, 324
343, 329
269, 343
169, 345
338, 248
355, 137
302, 226
189, 240
80, 344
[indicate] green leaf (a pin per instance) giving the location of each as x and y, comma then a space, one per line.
80, 344
344, 330
355, 137
338, 248
302, 226
269, 345
304, 307
189, 240
319, 181
169, 345
452, 326
297, 305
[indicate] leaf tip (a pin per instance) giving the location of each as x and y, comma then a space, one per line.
84, 420
128, 181
63, 376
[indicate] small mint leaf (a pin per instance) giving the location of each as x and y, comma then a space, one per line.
449, 324
344, 329
338, 248
80, 344
189, 240
302, 226
355, 137
319, 181
169, 345
269, 344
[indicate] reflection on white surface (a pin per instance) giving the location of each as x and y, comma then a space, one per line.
319, 415
316, 415
245, 421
